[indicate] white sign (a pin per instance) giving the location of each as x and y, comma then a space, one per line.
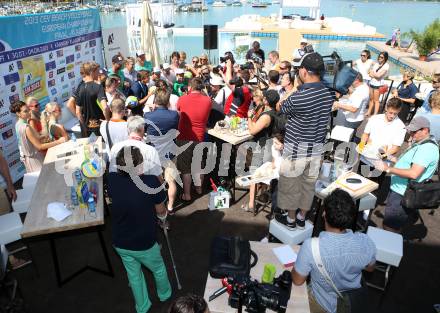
115, 41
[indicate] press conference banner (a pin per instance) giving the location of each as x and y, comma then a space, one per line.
40, 56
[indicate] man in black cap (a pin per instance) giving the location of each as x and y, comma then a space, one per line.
117, 63
419, 162
308, 112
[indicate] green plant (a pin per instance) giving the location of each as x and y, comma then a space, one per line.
428, 39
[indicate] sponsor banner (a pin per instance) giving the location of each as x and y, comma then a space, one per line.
40, 56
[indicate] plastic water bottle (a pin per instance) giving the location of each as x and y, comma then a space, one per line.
73, 138
74, 197
92, 207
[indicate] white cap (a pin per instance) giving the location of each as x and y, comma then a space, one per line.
303, 40
156, 70
139, 53
166, 66
216, 81
179, 71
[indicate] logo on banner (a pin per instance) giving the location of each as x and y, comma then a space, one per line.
13, 88
5, 124
6, 113
60, 53
69, 67
78, 55
7, 134
65, 87
11, 67
62, 78
87, 52
19, 65
71, 75
78, 48
61, 70
110, 39
65, 95
92, 43
2, 103
51, 66
33, 76
51, 56
51, 83
13, 98
53, 91
11, 78
50, 75
70, 59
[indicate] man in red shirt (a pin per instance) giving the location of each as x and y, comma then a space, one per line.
239, 100
194, 111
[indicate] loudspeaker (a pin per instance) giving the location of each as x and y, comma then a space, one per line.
210, 37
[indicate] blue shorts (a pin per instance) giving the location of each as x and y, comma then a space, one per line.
396, 216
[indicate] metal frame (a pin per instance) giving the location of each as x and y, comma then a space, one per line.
51, 237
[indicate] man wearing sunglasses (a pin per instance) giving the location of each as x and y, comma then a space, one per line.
419, 163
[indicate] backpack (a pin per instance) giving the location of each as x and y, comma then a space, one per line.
278, 121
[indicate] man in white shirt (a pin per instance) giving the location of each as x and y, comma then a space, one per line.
221, 92
351, 112
382, 138
114, 130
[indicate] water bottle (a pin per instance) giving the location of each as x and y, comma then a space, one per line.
74, 197
73, 138
92, 207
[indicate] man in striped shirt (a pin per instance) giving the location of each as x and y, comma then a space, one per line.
308, 112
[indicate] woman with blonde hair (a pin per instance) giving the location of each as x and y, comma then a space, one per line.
31, 147
49, 122
34, 108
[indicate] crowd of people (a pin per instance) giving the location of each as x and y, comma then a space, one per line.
157, 116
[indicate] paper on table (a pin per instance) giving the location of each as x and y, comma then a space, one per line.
285, 255
57, 211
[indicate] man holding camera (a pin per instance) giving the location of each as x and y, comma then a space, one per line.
308, 112
255, 53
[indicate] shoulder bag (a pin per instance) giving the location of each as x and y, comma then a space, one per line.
422, 195
349, 301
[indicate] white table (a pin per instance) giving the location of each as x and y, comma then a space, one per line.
298, 302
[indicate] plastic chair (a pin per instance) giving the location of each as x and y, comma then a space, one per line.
10, 229
30, 179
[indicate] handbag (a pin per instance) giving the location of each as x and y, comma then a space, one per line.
349, 301
422, 195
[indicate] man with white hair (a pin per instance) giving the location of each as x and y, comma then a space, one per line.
151, 160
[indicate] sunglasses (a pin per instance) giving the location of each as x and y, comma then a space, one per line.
363, 55
380, 57
283, 68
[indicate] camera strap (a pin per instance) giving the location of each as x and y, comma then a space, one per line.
318, 261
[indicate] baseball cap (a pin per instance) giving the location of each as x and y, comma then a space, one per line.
139, 53
131, 102
179, 71
271, 96
303, 40
156, 70
417, 123
166, 66
312, 62
103, 71
117, 59
216, 81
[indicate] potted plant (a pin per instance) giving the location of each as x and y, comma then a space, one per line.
427, 40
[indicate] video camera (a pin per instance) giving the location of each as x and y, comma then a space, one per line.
257, 297
254, 57
230, 259
228, 56
337, 74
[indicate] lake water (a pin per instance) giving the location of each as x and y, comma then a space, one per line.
385, 16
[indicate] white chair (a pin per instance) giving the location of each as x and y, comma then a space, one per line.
10, 229
341, 133
366, 205
24, 196
389, 247
30, 179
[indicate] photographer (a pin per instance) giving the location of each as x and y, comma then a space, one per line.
255, 53
344, 255
308, 112
240, 98
219, 92
301, 51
